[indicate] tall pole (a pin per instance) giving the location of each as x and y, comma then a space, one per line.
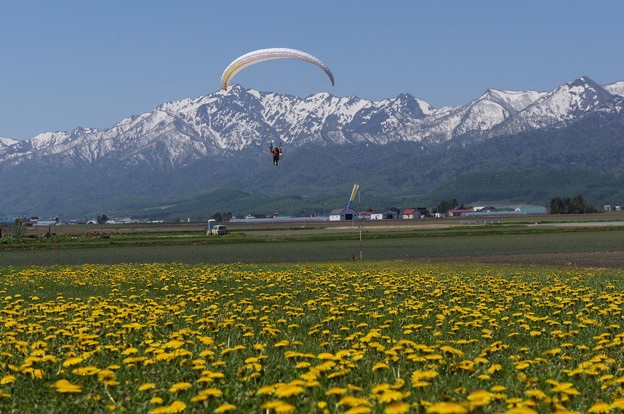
360, 240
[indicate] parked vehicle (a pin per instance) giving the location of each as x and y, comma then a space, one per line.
219, 230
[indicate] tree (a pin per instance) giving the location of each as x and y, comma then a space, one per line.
556, 206
102, 219
569, 205
446, 205
17, 228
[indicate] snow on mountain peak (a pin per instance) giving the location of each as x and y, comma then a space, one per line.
45, 139
518, 100
6, 142
615, 88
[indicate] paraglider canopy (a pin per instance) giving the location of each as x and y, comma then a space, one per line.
256, 56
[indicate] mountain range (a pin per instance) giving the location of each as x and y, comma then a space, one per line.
210, 154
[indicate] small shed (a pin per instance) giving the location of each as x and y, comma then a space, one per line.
390, 215
343, 214
385, 215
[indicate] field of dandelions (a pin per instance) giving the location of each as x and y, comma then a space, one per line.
390, 337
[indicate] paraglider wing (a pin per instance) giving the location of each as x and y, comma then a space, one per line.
267, 54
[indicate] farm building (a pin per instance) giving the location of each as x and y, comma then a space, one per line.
386, 215
501, 211
413, 213
343, 214
459, 213
531, 210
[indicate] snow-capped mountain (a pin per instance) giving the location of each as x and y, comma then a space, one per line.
194, 133
219, 123
565, 104
5, 142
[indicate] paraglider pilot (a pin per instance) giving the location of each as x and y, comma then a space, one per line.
277, 152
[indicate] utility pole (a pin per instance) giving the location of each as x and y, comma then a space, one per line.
360, 240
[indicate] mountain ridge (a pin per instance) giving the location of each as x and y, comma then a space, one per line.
196, 145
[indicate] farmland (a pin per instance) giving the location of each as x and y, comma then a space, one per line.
576, 240
446, 318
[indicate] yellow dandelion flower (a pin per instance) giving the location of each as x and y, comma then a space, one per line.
494, 368
180, 386
271, 404
360, 409
310, 376
565, 388
336, 391
199, 397
552, 352
266, 390
212, 392
4, 394
213, 374
7, 379
618, 404
288, 390
64, 386
90, 370
352, 401
129, 351
600, 407
174, 343
72, 361
388, 396
174, 407
147, 386
451, 350
37, 373
535, 393
480, 398
397, 407
446, 408
380, 388
280, 407
521, 410
326, 356
379, 365
156, 400
421, 376
223, 408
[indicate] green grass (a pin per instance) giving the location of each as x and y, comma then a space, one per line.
555, 246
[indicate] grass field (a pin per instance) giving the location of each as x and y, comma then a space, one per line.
574, 241
356, 337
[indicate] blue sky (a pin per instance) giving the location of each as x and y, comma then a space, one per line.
71, 63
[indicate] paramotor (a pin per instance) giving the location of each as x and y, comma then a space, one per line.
256, 56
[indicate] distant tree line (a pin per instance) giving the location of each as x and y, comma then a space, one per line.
222, 216
445, 205
575, 205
